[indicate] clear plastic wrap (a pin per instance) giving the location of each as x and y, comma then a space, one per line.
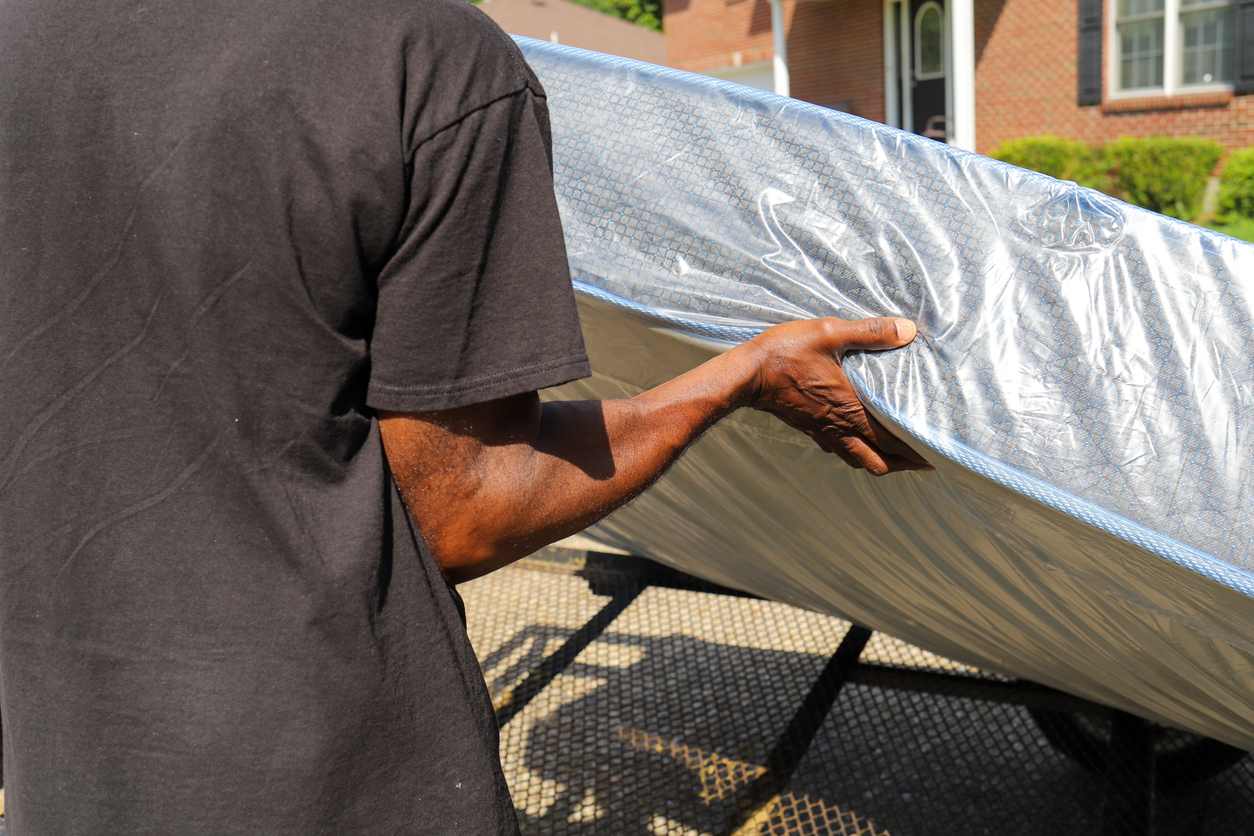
1082, 381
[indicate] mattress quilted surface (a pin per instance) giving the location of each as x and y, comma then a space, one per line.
1088, 362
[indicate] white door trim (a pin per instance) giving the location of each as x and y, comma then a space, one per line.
779, 39
959, 76
892, 67
962, 48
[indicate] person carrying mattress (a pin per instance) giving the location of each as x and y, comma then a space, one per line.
278, 285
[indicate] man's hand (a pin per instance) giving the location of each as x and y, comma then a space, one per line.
491, 482
801, 382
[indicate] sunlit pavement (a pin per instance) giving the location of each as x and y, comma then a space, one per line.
653, 710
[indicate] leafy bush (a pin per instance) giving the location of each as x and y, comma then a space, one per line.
1066, 159
1236, 188
1165, 174
646, 13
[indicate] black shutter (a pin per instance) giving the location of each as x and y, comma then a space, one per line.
1243, 80
1090, 51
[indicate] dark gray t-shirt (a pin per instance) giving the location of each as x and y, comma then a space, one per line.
229, 231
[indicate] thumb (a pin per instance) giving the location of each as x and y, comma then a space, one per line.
874, 333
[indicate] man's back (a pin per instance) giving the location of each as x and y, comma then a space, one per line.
221, 225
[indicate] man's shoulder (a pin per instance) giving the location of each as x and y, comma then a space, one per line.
456, 58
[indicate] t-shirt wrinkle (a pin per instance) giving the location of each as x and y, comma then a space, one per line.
417, 145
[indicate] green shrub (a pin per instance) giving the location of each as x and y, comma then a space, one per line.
1236, 188
646, 13
1066, 159
1165, 174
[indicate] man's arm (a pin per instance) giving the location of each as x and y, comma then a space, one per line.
492, 482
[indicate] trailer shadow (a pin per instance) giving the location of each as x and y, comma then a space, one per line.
645, 735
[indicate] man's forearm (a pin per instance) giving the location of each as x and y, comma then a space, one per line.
492, 482
566, 465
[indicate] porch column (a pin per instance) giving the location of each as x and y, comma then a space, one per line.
782, 86
962, 44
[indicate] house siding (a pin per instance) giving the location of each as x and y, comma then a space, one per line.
575, 25
1026, 85
835, 47
704, 35
1025, 80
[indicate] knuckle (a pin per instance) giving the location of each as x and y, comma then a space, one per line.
849, 417
832, 330
844, 409
876, 329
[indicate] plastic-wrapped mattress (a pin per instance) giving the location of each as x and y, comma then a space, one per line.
1083, 381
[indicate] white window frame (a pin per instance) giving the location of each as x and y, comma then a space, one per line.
917, 58
1173, 52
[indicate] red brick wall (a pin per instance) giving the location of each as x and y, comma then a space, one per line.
836, 55
1025, 79
835, 47
1025, 85
704, 35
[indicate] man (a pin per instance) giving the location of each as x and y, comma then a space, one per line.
266, 271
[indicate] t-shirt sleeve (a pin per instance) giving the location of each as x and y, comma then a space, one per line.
477, 302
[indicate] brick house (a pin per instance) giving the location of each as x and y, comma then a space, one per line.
565, 22
977, 72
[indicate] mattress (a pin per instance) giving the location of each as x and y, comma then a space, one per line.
1082, 382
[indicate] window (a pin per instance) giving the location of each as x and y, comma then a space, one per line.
1208, 45
929, 42
1165, 45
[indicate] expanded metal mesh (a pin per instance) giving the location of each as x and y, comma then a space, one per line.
634, 700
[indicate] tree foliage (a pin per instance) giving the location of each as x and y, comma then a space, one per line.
1236, 187
646, 13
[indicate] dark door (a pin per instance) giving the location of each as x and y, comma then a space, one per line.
929, 43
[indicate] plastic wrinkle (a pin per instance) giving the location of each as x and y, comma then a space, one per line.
1082, 377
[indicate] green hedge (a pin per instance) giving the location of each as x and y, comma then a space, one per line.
646, 13
1166, 174
1066, 159
1236, 188
1162, 173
